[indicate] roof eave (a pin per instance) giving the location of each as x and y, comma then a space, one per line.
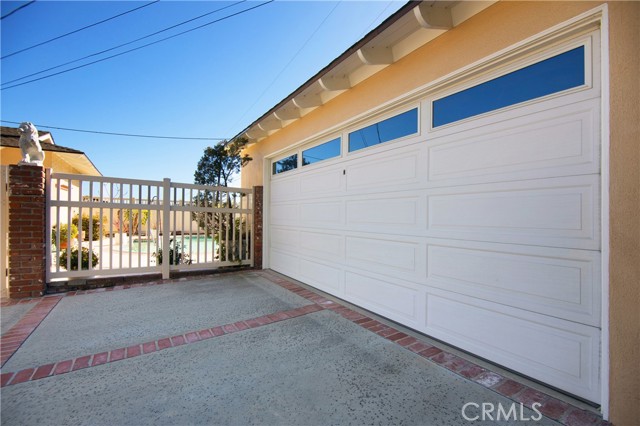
413, 25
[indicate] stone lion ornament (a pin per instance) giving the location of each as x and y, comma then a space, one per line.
30, 145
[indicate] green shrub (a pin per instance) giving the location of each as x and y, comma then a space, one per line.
64, 233
74, 259
95, 225
177, 255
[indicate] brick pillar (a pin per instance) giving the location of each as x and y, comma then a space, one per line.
27, 223
257, 227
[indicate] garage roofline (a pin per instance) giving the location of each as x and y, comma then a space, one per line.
381, 47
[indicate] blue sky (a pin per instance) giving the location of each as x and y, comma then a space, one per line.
208, 83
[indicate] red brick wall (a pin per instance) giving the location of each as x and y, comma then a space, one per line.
257, 228
27, 246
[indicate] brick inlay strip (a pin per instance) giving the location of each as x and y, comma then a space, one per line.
16, 336
550, 407
5, 301
87, 361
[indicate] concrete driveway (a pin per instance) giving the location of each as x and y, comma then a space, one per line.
241, 349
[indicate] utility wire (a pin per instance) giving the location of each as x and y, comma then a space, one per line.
287, 65
365, 32
78, 30
121, 45
376, 19
138, 48
29, 3
119, 134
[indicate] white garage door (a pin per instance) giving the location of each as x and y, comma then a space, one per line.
472, 215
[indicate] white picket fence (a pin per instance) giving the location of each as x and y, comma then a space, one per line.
131, 227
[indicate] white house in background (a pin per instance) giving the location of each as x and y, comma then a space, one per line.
470, 170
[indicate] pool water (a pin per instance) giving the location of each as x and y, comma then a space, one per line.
189, 243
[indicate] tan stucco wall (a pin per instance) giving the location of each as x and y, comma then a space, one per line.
624, 208
498, 27
52, 161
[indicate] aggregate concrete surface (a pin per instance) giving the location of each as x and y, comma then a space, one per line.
93, 323
319, 369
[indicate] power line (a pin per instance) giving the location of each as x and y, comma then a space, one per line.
376, 19
287, 65
78, 30
29, 3
119, 134
138, 48
366, 30
121, 45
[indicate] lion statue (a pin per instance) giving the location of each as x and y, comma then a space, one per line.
30, 145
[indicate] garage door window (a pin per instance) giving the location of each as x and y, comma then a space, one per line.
286, 164
558, 73
404, 124
321, 152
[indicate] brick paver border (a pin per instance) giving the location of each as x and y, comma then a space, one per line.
86, 361
11, 341
5, 301
549, 406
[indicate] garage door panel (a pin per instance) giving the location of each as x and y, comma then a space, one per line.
286, 263
556, 282
284, 214
322, 245
402, 259
284, 238
285, 189
395, 301
324, 276
558, 142
322, 182
549, 212
384, 170
554, 351
323, 213
387, 212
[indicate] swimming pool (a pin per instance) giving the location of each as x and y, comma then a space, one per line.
190, 244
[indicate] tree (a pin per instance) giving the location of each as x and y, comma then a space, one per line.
289, 163
217, 167
130, 220
133, 219
220, 162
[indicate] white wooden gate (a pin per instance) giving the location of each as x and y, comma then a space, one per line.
103, 226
